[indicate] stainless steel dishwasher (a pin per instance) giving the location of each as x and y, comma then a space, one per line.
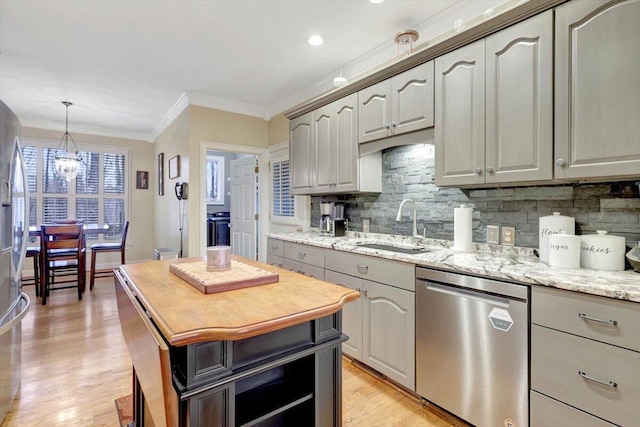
472, 347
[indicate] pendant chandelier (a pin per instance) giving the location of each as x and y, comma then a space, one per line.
67, 162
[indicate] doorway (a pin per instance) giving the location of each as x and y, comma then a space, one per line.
214, 203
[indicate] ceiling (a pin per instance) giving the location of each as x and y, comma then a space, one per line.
129, 66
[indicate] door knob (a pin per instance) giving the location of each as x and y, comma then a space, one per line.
489, 170
477, 171
560, 162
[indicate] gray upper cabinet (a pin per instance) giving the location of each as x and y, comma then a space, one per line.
494, 103
459, 110
412, 99
300, 154
374, 110
325, 153
325, 147
401, 104
335, 129
519, 91
597, 80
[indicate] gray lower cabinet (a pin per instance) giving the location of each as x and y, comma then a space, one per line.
584, 358
351, 313
275, 252
493, 107
381, 323
304, 259
388, 327
597, 107
547, 412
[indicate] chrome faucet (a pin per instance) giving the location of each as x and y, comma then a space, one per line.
414, 236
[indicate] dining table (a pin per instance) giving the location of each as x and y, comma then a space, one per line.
87, 229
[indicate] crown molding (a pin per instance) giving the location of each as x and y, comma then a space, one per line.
172, 113
518, 12
111, 133
209, 101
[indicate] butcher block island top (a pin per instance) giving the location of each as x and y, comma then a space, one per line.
184, 315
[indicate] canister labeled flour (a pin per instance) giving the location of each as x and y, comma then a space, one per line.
550, 225
602, 251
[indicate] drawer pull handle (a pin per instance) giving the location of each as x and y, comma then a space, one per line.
595, 319
274, 248
362, 268
301, 254
607, 383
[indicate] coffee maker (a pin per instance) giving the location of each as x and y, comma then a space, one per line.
326, 222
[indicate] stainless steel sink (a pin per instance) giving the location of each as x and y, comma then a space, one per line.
391, 248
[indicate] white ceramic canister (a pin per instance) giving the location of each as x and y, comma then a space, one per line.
550, 225
564, 250
602, 251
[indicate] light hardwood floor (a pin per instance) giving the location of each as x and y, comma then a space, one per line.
75, 364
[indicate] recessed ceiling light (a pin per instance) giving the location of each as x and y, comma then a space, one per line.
315, 40
376, 1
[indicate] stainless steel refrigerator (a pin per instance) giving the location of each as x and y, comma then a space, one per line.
14, 229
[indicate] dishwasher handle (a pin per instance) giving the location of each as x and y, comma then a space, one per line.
464, 293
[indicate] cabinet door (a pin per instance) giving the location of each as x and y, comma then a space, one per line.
301, 151
519, 91
597, 81
389, 332
345, 152
459, 124
351, 314
374, 111
412, 99
325, 147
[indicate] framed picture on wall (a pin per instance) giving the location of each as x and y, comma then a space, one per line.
215, 180
174, 167
142, 180
161, 174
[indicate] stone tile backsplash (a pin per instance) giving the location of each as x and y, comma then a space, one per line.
407, 172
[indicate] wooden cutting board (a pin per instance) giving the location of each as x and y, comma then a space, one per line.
239, 276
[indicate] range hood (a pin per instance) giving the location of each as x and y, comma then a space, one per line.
424, 136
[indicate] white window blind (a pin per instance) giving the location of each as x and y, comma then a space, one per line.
98, 195
282, 202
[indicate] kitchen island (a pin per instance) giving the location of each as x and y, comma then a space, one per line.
264, 354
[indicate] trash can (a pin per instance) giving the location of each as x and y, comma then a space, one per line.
165, 253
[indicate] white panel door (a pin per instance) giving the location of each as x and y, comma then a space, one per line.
244, 190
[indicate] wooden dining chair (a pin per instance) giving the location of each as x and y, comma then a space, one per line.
62, 251
33, 252
97, 248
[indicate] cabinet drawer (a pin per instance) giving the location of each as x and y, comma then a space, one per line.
302, 268
313, 271
588, 316
557, 359
275, 247
278, 261
547, 412
394, 273
304, 253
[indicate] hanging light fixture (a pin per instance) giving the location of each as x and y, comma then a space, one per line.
66, 162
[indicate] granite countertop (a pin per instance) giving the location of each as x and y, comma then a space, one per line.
516, 264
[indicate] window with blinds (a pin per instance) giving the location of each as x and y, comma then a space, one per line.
97, 196
282, 202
